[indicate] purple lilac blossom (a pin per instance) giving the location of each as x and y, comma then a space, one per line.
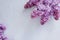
44, 9
2, 29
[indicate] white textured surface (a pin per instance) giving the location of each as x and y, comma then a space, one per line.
21, 27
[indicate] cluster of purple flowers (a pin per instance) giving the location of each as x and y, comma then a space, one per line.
44, 9
2, 29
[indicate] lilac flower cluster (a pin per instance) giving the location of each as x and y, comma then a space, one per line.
2, 29
44, 9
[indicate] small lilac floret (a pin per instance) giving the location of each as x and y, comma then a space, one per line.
31, 3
